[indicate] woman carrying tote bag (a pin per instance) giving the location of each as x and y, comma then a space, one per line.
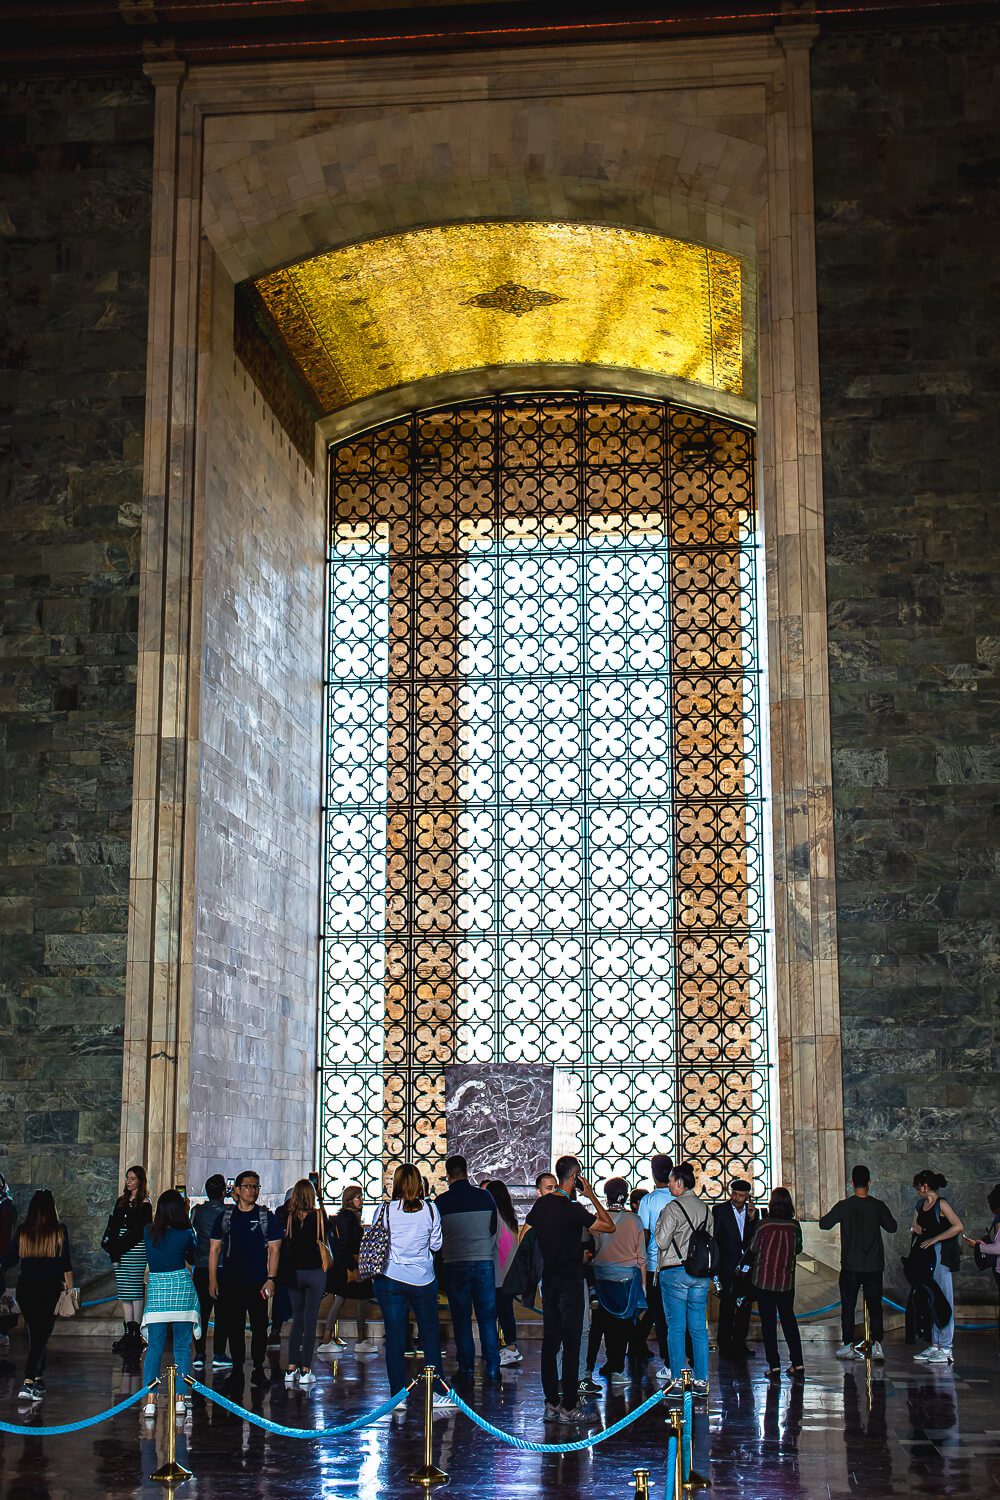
41, 1245
402, 1240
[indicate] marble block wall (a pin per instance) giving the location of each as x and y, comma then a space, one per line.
75, 165
256, 897
907, 144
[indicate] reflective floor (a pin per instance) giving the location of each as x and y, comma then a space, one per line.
908, 1430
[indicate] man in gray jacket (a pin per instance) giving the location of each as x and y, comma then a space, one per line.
468, 1241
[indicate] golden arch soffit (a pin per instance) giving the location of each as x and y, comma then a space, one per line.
387, 312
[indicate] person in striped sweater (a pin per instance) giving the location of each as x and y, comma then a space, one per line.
776, 1243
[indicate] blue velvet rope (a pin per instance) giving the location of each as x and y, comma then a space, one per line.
575, 1447
687, 1430
26, 1429
816, 1312
668, 1488
297, 1432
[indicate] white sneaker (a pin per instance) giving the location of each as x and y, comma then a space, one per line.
332, 1346
927, 1353
510, 1355
662, 1373
877, 1351
291, 1376
940, 1357
149, 1411
618, 1378
444, 1406
306, 1379
847, 1351
181, 1406
366, 1346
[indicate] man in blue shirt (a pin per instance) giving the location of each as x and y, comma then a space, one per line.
242, 1272
649, 1211
468, 1241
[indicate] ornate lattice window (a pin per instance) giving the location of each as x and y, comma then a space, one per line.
543, 809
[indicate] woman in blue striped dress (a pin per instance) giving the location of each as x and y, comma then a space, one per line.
124, 1244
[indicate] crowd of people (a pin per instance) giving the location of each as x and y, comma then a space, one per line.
612, 1274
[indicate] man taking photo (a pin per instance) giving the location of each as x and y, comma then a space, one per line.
559, 1223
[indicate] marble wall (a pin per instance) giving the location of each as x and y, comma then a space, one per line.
256, 900
907, 139
75, 160
499, 1117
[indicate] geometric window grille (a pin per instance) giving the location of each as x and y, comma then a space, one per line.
543, 809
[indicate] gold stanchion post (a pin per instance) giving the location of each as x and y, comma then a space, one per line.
641, 1477
172, 1472
429, 1474
677, 1423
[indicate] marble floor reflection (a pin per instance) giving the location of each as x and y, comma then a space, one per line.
897, 1430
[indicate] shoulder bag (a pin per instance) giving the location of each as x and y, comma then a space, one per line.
325, 1255
68, 1303
376, 1242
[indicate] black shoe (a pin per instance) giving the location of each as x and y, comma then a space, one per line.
259, 1376
120, 1345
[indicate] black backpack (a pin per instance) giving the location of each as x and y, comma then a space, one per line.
702, 1257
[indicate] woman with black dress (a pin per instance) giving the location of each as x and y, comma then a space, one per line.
301, 1271
345, 1242
123, 1241
41, 1245
936, 1228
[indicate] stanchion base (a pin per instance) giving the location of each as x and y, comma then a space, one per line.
697, 1482
429, 1474
172, 1473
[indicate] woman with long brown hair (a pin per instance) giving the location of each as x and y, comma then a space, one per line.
123, 1241
41, 1244
301, 1269
408, 1281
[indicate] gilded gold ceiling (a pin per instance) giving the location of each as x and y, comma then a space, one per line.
371, 316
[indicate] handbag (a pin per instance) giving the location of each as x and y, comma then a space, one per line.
68, 1302
376, 1242
325, 1255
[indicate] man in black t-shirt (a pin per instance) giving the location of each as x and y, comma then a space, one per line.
862, 1220
242, 1273
559, 1223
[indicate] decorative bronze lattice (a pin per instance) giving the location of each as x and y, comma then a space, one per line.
543, 809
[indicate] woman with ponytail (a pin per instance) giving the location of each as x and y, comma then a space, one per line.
936, 1228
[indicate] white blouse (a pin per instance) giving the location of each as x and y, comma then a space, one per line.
413, 1238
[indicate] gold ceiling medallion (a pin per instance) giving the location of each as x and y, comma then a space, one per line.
513, 298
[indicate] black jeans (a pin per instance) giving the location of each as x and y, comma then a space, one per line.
237, 1302
506, 1318
655, 1299
37, 1301
206, 1304
562, 1328
772, 1306
870, 1283
734, 1322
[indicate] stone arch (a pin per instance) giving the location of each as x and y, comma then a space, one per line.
613, 161
256, 167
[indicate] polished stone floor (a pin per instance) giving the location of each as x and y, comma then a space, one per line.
908, 1430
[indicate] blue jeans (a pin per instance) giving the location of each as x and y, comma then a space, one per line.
393, 1298
471, 1284
156, 1333
943, 1334
685, 1299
